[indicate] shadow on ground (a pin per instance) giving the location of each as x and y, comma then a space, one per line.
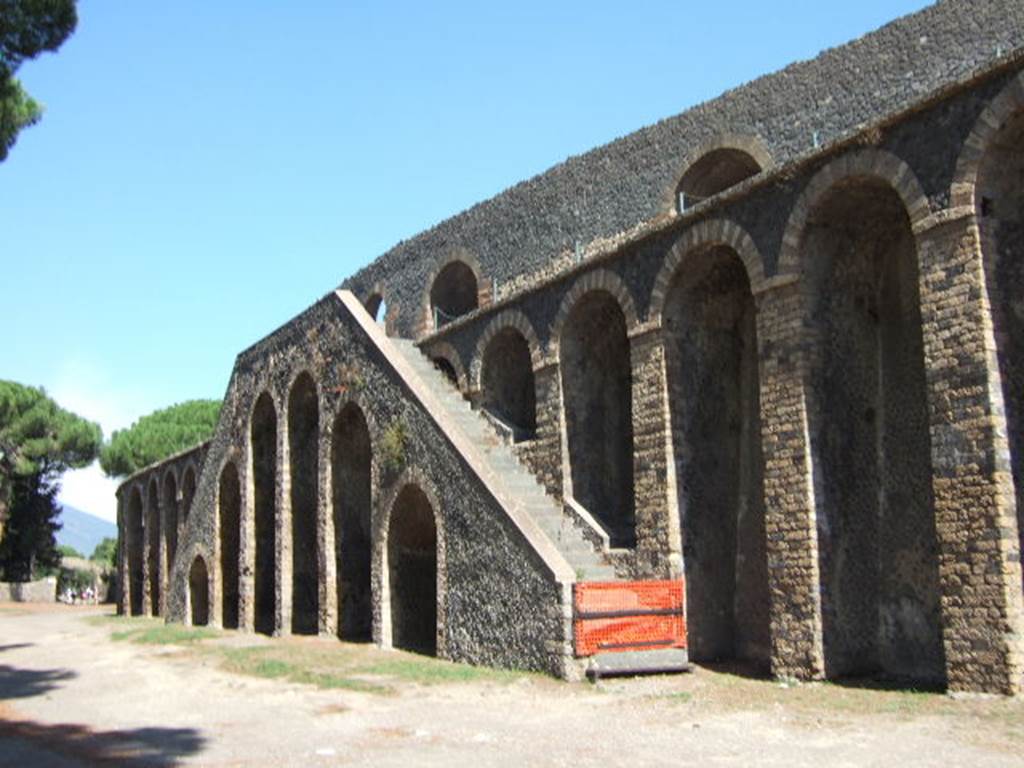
15, 646
748, 670
883, 683
18, 683
156, 747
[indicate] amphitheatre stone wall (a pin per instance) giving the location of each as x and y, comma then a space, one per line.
801, 394
498, 602
533, 230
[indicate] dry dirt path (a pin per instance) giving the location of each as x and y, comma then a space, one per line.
71, 696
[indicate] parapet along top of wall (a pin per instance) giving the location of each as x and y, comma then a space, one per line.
807, 106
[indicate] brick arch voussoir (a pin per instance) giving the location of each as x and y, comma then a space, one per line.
443, 349
381, 530
1006, 104
361, 401
597, 280
872, 163
509, 318
706, 234
748, 143
197, 552
450, 257
170, 471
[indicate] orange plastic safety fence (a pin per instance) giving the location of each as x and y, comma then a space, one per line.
628, 616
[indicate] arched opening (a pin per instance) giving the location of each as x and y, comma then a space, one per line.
412, 572
454, 293
303, 433
714, 172
199, 593
373, 306
170, 505
153, 540
264, 471
445, 366
506, 382
999, 197
378, 310
229, 501
710, 337
870, 440
597, 393
351, 479
134, 543
188, 492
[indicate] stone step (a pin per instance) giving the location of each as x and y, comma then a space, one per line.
531, 497
654, 662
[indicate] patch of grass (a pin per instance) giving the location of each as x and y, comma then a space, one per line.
150, 631
173, 634
297, 667
427, 671
679, 697
349, 667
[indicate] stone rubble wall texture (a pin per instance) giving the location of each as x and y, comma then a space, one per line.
501, 606
530, 231
863, 322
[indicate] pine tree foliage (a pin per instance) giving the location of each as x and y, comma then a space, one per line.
28, 549
37, 436
39, 441
27, 28
159, 435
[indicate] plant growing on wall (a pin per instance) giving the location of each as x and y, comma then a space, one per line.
392, 446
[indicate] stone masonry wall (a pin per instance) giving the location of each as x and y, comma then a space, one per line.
531, 231
498, 605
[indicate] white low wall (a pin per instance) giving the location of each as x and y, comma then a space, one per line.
42, 591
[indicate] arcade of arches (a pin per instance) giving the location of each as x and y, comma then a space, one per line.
803, 435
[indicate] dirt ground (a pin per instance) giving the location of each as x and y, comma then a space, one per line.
77, 689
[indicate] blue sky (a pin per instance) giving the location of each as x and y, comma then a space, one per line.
206, 170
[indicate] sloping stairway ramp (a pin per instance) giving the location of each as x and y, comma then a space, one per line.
624, 628
530, 498
533, 523
515, 489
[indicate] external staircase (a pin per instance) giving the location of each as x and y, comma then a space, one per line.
623, 627
530, 496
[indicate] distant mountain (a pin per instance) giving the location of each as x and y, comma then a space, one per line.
82, 530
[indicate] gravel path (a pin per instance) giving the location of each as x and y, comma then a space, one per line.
70, 696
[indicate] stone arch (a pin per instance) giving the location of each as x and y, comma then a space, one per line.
304, 473
352, 518
188, 490
376, 305
868, 421
198, 593
709, 331
170, 518
715, 232
596, 384
153, 546
508, 318
134, 538
993, 119
412, 567
719, 164
989, 174
599, 279
864, 163
455, 288
448, 360
229, 522
263, 488
508, 391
